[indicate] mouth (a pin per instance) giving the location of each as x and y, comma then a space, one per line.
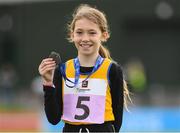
86, 45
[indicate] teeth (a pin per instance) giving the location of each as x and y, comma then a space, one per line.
85, 45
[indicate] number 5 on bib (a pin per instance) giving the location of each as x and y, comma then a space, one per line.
84, 107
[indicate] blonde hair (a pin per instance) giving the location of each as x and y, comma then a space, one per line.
99, 18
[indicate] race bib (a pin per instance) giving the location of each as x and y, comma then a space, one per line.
85, 104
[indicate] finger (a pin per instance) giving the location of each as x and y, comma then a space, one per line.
46, 67
47, 59
44, 71
47, 63
44, 61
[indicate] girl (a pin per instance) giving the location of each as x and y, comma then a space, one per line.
88, 92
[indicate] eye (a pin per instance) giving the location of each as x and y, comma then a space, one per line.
78, 32
92, 32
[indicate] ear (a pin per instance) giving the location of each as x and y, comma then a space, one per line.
105, 36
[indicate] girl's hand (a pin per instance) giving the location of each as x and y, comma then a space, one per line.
46, 70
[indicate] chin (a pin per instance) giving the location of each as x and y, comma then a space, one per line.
86, 53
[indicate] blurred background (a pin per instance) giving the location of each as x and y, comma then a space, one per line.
145, 37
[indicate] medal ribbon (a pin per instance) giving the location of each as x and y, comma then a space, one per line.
77, 71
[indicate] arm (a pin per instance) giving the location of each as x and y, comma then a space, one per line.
116, 85
53, 99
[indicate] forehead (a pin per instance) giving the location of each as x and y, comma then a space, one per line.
85, 24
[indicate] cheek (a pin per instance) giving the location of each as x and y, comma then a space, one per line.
98, 39
76, 45
76, 39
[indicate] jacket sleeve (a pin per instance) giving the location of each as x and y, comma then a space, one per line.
53, 99
116, 86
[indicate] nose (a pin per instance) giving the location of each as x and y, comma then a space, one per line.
85, 38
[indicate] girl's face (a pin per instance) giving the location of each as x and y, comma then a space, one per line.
87, 37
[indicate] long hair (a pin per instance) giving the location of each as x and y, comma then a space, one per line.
99, 18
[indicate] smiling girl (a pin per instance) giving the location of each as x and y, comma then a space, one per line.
88, 93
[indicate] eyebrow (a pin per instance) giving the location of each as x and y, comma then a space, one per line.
88, 30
